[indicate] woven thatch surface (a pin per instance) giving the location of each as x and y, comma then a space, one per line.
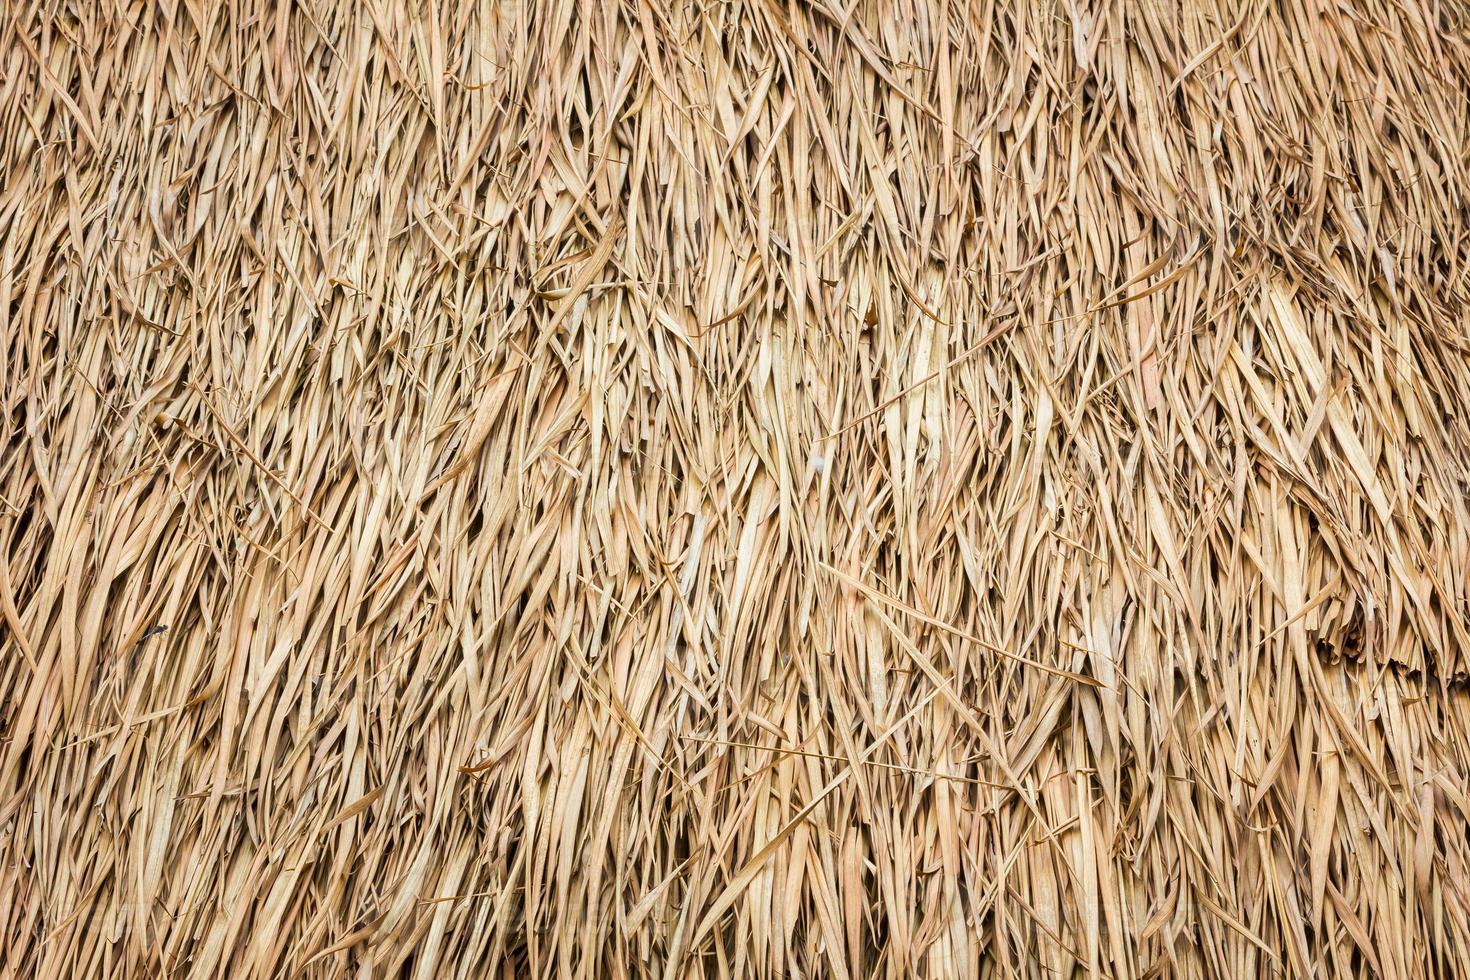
734, 489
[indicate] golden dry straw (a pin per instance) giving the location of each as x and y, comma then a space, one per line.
734, 488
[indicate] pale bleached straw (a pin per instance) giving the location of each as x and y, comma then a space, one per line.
734, 489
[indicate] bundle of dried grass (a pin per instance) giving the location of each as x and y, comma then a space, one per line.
734, 489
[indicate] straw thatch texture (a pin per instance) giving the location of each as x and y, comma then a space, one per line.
738, 489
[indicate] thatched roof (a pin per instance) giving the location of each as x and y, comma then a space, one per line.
734, 489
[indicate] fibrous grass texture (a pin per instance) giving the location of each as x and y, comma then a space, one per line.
746, 488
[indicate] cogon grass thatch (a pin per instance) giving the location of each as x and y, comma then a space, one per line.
734, 489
